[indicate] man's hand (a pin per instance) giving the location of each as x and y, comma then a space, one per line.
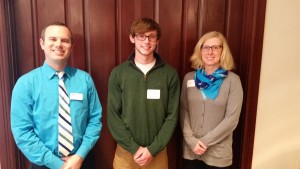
142, 156
72, 162
200, 148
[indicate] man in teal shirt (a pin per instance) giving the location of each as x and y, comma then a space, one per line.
34, 106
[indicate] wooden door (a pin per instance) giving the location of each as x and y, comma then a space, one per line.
100, 29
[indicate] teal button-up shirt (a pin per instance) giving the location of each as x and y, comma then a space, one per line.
34, 114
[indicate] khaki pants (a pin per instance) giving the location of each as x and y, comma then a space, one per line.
124, 159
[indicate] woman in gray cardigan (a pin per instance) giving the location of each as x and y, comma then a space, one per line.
211, 101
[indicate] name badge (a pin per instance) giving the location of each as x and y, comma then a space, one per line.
76, 96
190, 83
153, 94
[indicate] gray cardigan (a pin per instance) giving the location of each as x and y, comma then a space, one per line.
211, 121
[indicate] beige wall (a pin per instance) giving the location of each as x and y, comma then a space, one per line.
277, 135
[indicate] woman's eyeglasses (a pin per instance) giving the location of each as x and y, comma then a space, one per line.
213, 48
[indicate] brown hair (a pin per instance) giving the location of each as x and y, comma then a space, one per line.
144, 25
57, 24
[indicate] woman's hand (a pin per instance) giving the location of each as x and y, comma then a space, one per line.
200, 148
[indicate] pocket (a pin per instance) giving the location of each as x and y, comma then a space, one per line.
122, 152
79, 117
220, 151
79, 109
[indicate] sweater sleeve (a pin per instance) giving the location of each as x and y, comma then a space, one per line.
115, 123
232, 114
171, 118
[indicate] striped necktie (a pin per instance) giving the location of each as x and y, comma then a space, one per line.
65, 137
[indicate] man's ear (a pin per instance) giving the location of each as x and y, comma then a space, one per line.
131, 39
42, 43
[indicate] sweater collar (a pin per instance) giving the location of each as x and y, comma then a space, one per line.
158, 62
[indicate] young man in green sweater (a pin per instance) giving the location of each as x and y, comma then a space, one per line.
143, 99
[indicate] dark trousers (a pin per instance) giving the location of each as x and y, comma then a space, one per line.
197, 164
88, 163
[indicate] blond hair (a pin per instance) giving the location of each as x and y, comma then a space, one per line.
226, 62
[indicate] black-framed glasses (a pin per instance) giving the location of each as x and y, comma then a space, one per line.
142, 37
213, 48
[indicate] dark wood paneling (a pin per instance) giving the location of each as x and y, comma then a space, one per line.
250, 64
190, 34
126, 13
101, 54
211, 15
233, 29
74, 10
170, 20
101, 28
8, 150
25, 46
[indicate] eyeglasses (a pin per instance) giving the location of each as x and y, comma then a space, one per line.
213, 48
142, 37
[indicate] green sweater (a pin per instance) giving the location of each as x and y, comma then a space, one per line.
135, 120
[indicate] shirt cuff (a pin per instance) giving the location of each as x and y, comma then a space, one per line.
55, 163
83, 151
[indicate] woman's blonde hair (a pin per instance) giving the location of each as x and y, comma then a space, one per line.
227, 62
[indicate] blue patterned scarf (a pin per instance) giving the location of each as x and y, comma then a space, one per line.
210, 84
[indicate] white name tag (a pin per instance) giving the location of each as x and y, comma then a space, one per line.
153, 94
76, 96
190, 83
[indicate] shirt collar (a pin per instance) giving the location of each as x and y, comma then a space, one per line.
50, 72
